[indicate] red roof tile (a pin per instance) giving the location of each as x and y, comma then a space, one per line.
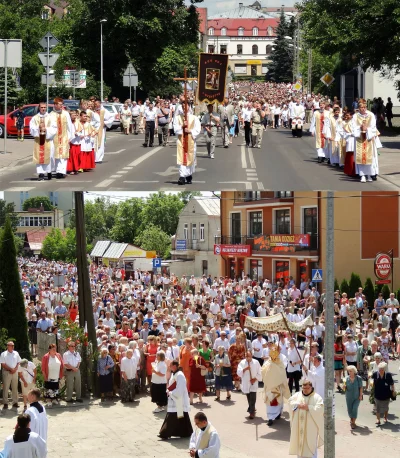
232, 26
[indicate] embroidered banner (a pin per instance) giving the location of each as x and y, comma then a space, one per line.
212, 77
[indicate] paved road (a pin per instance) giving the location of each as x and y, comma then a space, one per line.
283, 163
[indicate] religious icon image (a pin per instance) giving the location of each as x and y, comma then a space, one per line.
212, 78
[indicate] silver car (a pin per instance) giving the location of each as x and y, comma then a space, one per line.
114, 108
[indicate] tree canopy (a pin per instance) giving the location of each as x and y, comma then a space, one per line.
37, 202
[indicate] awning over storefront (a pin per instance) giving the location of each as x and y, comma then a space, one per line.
277, 323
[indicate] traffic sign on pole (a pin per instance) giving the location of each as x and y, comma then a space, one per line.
316, 275
130, 79
156, 263
48, 40
52, 59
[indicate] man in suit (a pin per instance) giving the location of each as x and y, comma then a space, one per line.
226, 113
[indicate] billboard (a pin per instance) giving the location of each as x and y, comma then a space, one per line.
383, 267
233, 250
281, 242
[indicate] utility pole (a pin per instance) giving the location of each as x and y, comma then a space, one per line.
84, 290
329, 433
309, 73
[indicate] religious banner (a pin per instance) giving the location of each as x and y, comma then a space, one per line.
281, 242
212, 77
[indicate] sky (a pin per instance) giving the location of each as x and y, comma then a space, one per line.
220, 6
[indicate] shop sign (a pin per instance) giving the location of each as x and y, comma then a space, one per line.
281, 242
383, 266
234, 250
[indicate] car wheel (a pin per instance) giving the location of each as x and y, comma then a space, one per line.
1, 130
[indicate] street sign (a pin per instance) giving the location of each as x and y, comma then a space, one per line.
156, 262
52, 79
382, 282
14, 53
327, 79
131, 81
316, 275
59, 280
297, 86
52, 59
181, 244
48, 40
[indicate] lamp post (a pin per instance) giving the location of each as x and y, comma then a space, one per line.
101, 60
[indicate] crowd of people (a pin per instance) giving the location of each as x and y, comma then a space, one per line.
178, 339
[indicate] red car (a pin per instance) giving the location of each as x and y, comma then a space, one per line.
29, 110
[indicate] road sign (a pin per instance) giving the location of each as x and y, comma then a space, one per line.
327, 79
52, 79
59, 280
297, 86
316, 275
14, 53
48, 40
52, 59
156, 262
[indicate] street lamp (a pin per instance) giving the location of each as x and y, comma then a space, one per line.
101, 59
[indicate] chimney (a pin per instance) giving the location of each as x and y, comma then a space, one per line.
240, 5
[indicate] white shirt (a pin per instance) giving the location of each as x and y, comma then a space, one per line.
54, 368
261, 311
129, 366
162, 368
11, 358
247, 114
150, 115
351, 347
34, 447
214, 444
257, 346
255, 370
109, 322
221, 343
39, 421
317, 377
72, 358
28, 372
293, 356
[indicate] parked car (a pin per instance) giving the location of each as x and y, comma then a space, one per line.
114, 108
29, 110
71, 104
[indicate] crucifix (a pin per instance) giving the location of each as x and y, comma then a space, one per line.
185, 80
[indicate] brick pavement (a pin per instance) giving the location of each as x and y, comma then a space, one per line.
117, 430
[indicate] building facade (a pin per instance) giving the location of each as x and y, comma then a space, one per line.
199, 225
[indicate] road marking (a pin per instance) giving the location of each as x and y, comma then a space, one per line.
249, 170
252, 178
116, 152
123, 171
253, 172
115, 176
104, 183
136, 140
140, 182
244, 162
260, 186
249, 186
127, 168
251, 158
142, 158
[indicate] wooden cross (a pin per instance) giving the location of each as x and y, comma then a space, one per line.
185, 80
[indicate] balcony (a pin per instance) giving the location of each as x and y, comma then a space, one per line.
266, 243
188, 244
242, 197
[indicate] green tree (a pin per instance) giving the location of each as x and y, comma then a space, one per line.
280, 69
162, 210
336, 285
386, 292
36, 202
354, 284
8, 210
12, 92
152, 238
344, 287
128, 220
12, 309
398, 295
369, 292
378, 289
53, 247
185, 196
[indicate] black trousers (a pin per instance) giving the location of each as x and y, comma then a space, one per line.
247, 131
251, 400
297, 132
294, 377
276, 118
150, 126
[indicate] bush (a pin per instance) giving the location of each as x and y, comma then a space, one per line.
378, 289
398, 295
369, 292
386, 292
344, 287
336, 285
354, 284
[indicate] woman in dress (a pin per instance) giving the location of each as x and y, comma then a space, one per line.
116, 357
338, 361
198, 369
385, 345
364, 355
150, 353
354, 394
158, 387
352, 312
72, 311
184, 358
383, 390
236, 353
223, 373
52, 369
126, 116
105, 374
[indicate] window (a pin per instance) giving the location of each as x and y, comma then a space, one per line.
239, 49
282, 221
202, 232
254, 49
270, 31
256, 271
54, 198
283, 194
241, 69
30, 111
282, 271
211, 31
268, 50
223, 49
185, 231
236, 232
253, 70
205, 267
211, 49
45, 14
310, 225
264, 69
240, 31
194, 232
255, 223
223, 31
255, 32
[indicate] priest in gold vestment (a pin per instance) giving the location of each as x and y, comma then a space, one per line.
316, 130
43, 128
186, 160
306, 410
65, 132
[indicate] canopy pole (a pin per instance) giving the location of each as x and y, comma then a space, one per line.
290, 332
311, 341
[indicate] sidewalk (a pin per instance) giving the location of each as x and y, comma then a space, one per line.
389, 159
18, 153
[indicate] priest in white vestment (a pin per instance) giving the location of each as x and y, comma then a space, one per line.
186, 160
103, 119
177, 421
37, 412
24, 443
65, 133
306, 410
317, 376
43, 128
204, 442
